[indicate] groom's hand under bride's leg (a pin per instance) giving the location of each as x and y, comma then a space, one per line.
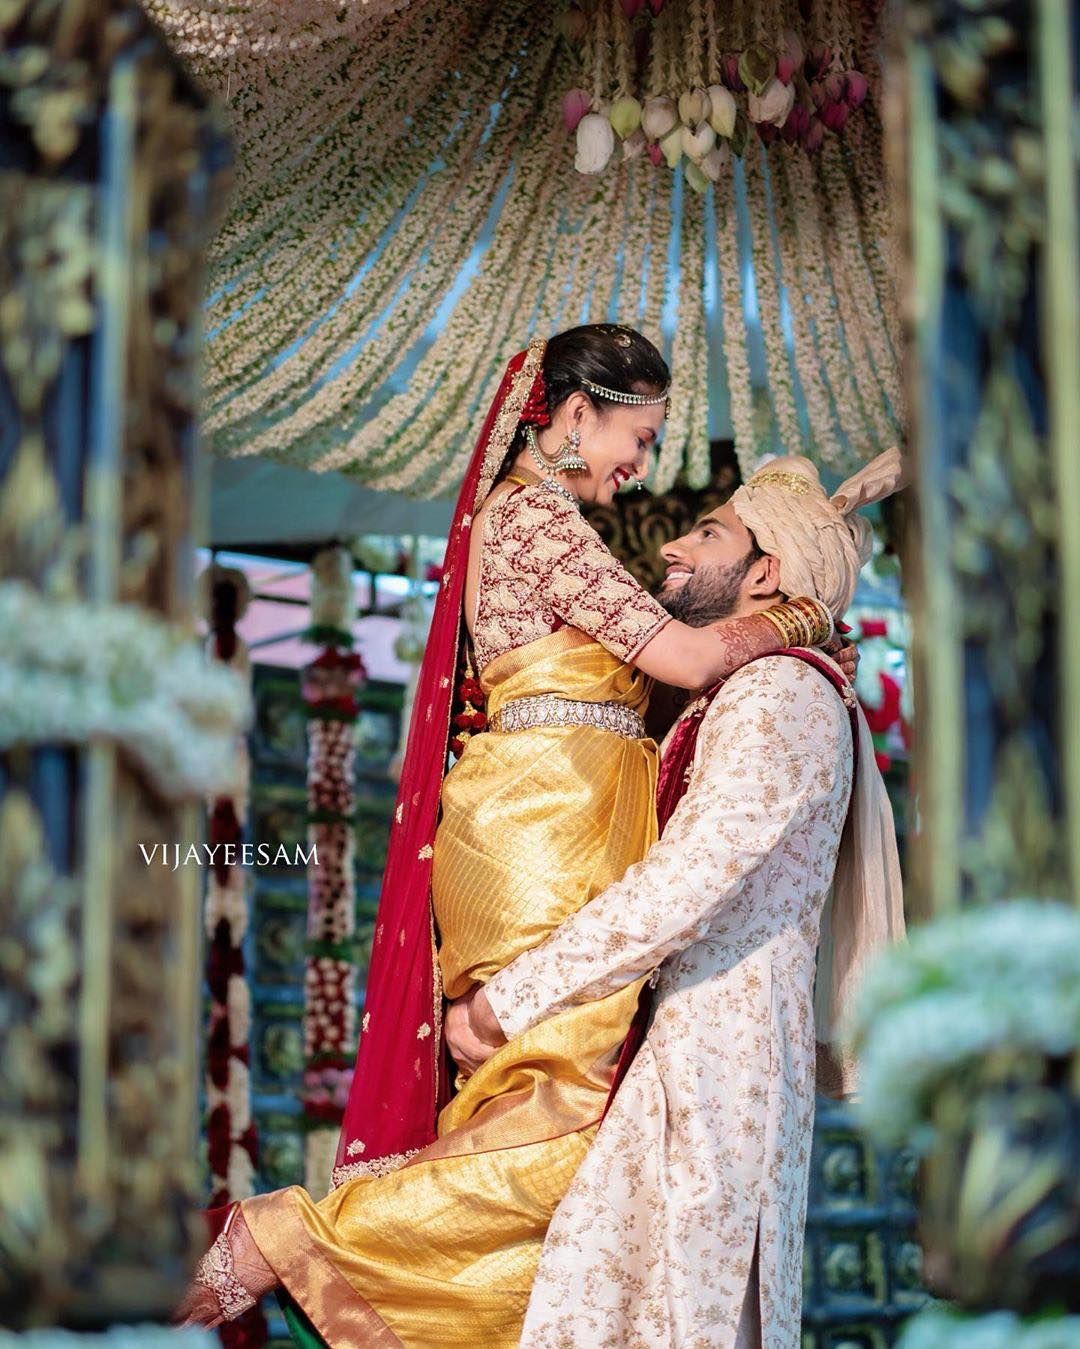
472, 1032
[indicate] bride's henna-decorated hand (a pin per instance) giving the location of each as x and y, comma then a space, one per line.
846, 655
230, 1278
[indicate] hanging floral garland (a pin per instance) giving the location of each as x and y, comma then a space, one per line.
375, 194
232, 1141
330, 686
689, 83
117, 672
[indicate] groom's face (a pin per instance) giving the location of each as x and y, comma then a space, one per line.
708, 568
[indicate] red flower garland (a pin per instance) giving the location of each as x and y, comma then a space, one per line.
226, 920
330, 685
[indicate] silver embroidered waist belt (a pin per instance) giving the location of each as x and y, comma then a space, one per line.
545, 709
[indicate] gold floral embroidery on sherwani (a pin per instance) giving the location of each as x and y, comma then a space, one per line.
535, 823
706, 1148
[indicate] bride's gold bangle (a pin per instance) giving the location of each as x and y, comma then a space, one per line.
801, 621
782, 623
818, 617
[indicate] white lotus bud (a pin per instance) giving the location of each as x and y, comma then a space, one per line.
714, 163
724, 108
658, 116
697, 144
694, 106
595, 143
773, 104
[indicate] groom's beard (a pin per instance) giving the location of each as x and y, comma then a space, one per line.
712, 593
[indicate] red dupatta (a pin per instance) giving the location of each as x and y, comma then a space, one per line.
397, 1086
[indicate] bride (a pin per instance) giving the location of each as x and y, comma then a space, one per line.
443, 1189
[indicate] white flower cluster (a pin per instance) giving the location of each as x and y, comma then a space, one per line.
1005, 976
300, 354
329, 1006
939, 1328
228, 901
236, 1095
72, 672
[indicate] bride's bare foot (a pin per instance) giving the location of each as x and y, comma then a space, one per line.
230, 1278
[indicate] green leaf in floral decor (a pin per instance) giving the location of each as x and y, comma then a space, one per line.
740, 134
695, 177
757, 66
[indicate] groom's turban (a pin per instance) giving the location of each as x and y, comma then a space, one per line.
821, 543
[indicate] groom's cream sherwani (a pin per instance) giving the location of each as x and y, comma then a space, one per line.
708, 1140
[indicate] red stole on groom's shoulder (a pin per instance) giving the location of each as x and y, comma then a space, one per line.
671, 785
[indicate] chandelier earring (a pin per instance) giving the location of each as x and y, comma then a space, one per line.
570, 460
567, 457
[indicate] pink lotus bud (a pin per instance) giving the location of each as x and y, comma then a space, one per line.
835, 116
855, 88
656, 6
625, 116
791, 44
729, 68
595, 143
817, 93
785, 68
818, 60
656, 155
773, 104
813, 136
835, 87
631, 8
575, 104
722, 109
798, 120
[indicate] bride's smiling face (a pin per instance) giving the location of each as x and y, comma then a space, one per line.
617, 443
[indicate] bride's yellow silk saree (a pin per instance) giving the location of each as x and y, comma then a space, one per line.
535, 822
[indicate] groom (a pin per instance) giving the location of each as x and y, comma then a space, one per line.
684, 1225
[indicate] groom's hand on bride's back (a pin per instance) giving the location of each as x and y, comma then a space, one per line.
471, 1030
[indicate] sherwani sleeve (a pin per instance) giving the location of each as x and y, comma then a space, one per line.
769, 751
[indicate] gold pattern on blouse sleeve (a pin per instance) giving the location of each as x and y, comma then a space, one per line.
541, 565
